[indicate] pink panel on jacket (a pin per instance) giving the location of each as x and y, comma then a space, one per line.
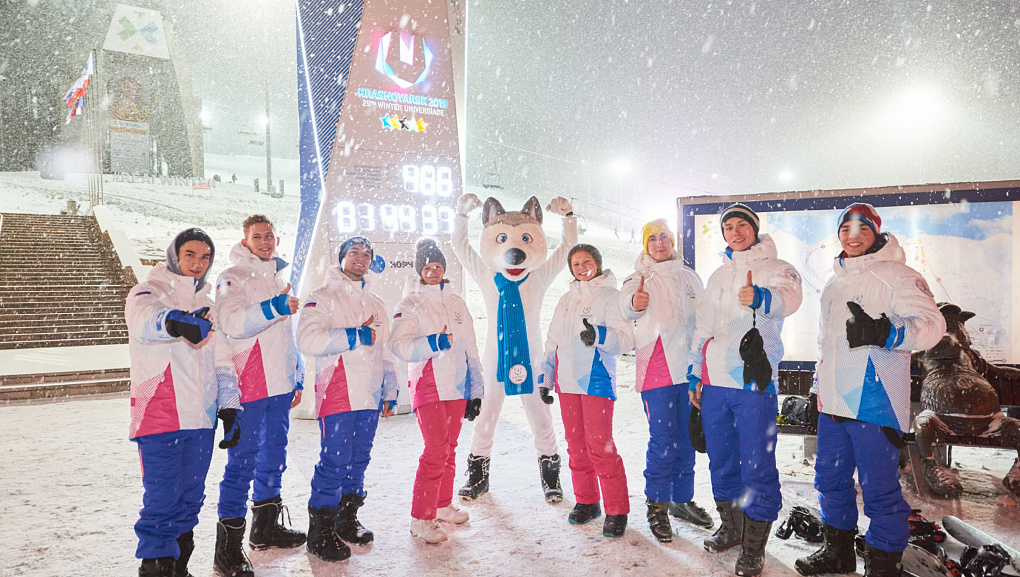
251, 374
424, 388
656, 372
335, 398
156, 412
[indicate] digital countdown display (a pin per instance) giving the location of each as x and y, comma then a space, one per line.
393, 172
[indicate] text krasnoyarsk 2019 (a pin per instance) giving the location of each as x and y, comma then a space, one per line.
370, 94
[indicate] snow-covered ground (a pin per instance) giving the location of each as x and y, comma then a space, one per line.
72, 490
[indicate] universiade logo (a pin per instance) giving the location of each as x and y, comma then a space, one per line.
403, 58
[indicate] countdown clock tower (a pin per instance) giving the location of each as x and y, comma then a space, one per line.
380, 140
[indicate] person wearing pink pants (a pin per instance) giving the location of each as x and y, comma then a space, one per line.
433, 332
587, 332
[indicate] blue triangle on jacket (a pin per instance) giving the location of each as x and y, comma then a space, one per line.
875, 405
600, 384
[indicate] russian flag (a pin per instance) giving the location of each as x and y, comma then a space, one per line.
75, 97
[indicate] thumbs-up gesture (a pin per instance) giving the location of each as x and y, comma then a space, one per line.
639, 301
863, 330
366, 334
292, 302
746, 294
588, 334
283, 303
445, 337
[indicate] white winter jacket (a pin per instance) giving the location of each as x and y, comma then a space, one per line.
569, 364
872, 384
435, 374
175, 385
664, 329
262, 340
349, 376
722, 321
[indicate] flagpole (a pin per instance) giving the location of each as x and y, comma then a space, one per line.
95, 127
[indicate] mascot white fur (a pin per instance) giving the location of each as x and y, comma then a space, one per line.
514, 271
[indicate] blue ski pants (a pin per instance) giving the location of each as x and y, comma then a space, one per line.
740, 434
260, 455
669, 462
346, 448
843, 447
174, 467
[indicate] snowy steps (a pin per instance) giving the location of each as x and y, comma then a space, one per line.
58, 385
61, 283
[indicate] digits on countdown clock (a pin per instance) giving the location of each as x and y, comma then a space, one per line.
428, 180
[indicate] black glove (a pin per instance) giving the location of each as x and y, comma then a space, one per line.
696, 430
474, 406
546, 394
588, 334
229, 418
757, 367
192, 326
862, 330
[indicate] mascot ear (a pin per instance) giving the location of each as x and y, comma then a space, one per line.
533, 208
966, 316
491, 209
948, 310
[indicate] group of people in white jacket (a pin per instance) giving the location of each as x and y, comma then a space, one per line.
705, 354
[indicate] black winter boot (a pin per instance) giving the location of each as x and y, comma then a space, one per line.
347, 525
162, 567
752, 552
835, 556
230, 559
614, 526
658, 521
691, 513
549, 469
267, 529
878, 563
186, 542
582, 513
478, 478
731, 528
323, 541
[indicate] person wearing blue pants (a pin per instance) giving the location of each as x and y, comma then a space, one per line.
253, 310
343, 325
182, 379
661, 299
875, 311
736, 352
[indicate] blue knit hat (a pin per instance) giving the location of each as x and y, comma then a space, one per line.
346, 246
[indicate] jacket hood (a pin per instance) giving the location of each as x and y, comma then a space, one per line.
892, 251
173, 263
241, 256
162, 273
645, 264
335, 277
764, 248
605, 280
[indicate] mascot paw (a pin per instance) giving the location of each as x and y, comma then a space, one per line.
467, 203
940, 479
558, 205
1012, 479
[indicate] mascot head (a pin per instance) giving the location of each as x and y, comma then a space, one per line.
512, 241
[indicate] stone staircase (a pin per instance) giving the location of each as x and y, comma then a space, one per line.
61, 284
60, 385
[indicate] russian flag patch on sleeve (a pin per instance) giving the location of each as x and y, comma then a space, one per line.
397, 316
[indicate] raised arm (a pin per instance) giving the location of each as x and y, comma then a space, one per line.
315, 336
557, 261
405, 341
238, 318
782, 293
917, 323
145, 314
467, 255
617, 335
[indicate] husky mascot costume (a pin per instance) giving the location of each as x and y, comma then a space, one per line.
513, 272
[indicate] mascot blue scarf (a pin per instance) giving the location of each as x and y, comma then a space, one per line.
513, 368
